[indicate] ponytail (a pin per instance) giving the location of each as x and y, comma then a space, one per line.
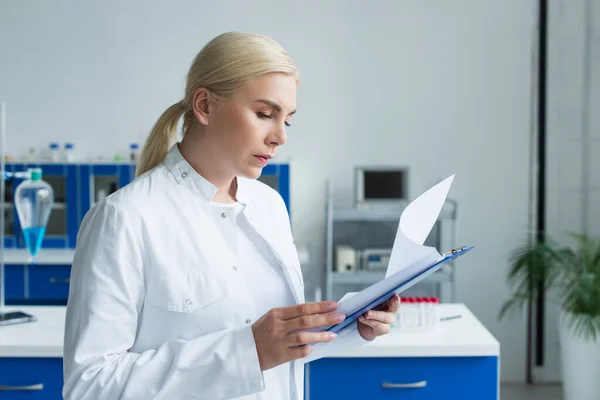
163, 134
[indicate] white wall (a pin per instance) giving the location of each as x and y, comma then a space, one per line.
443, 87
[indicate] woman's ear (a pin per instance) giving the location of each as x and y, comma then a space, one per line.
202, 105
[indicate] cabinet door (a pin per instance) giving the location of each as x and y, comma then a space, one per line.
31, 378
99, 180
61, 178
424, 378
49, 283
277, 176
14, 283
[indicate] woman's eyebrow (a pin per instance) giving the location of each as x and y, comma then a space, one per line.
273, 105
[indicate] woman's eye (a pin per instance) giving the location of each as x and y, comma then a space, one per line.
263, 115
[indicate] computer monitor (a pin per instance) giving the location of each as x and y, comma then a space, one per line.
380, 185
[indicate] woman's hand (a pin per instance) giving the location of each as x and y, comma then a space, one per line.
377, 322
278, 335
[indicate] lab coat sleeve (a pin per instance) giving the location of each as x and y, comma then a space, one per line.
105, 300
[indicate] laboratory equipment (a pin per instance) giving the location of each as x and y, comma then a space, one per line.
380, 185
418, 315
34, 199
69, 152
134, 152
54, 152
345, 257
375, 259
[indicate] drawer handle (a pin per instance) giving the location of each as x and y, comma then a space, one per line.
414, 385
60, 280
39, 386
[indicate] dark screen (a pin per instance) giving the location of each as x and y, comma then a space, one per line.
384, 185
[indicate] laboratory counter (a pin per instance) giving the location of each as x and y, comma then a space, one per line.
460, 361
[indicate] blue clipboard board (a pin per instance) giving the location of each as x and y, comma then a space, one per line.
451, 255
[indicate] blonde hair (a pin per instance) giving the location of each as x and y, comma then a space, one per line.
224, 65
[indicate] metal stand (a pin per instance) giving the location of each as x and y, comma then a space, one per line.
14, 317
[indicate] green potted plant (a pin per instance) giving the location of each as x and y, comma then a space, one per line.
571, 279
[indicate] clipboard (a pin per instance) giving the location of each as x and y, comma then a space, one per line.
381, 291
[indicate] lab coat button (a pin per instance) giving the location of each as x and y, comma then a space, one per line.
188, 302
223, 214
184, 175
248, 321
234, 268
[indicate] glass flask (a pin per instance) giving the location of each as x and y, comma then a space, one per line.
33, 200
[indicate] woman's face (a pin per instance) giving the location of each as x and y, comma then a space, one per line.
247, 129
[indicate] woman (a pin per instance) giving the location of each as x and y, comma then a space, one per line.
186, 283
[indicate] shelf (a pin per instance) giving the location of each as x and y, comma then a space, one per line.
57, 206
44, 257
384, 213
371, 277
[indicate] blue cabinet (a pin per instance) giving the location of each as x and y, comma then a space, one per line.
15, 283
71, 184
77, 186
277, 176
100, 180
31, 378
30, 284
408, 378
49, 282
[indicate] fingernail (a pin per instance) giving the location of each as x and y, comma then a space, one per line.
369, 314
339, 317
362, 318
332, 305
332, 335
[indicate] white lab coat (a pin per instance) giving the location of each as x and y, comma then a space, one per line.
153, 311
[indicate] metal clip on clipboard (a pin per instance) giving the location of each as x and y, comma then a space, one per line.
454, 251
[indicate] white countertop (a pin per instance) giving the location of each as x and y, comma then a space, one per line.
41, 338
465, 336
44, 257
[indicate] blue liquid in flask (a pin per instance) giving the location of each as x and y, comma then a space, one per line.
33, 238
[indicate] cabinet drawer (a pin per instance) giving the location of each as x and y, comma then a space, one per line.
421, 378
49, 281
31, 378
15, 282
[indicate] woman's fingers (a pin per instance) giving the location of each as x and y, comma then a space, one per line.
379, 328
385, 317
304, 338
303, 309
307, 322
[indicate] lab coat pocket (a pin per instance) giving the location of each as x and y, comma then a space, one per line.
186, 292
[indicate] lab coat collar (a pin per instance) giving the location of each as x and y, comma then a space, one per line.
185, 174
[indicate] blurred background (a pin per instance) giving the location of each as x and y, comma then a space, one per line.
408, 91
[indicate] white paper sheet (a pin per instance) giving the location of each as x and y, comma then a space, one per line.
416, 222
408, 251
